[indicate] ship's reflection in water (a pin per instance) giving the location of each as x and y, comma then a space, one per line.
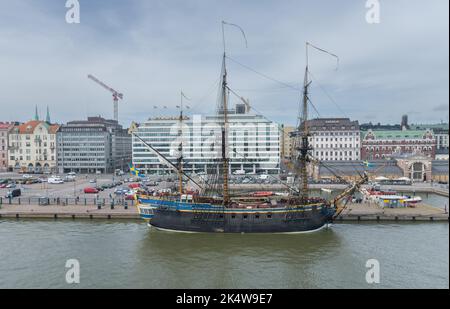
236, 260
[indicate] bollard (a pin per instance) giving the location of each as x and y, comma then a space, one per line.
85, 202
99, 206
18, 200
112, 206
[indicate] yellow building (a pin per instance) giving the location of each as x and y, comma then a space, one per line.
32, 147
287, 142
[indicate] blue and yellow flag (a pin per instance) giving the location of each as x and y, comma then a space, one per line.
368, 164
135, 172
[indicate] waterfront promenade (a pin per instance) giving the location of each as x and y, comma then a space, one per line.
70, 211
353, 212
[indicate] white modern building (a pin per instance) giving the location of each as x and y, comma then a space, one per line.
335, 139
253, 143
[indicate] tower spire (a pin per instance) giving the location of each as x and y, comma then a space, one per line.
47, 118
36, 115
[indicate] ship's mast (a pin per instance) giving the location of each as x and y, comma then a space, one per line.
304, 136
225, 163
180, 158
224, 107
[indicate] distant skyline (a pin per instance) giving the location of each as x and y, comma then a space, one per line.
150, 50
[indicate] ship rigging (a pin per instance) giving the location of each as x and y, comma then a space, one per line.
243, 213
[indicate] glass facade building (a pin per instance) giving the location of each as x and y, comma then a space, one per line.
253, 143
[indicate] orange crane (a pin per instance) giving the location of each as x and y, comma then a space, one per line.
116, 95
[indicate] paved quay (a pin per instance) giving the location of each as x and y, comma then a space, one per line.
353, 212
372, 212
71, 211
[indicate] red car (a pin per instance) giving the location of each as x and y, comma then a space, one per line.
90, 191
134, 185
3, 186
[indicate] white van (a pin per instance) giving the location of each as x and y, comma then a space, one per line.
55, 180
263, 177
239, 172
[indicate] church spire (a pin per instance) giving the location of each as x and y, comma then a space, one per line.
36, 115
47, 118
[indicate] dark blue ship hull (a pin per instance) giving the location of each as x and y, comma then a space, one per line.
185, 217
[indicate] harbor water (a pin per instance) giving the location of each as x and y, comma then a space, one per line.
127, 254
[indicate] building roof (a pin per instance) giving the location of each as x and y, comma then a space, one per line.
30, 126
332, 124
5, 126
396, 134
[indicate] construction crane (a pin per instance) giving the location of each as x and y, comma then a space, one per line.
116, 95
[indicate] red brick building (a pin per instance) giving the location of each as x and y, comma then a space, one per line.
383, 144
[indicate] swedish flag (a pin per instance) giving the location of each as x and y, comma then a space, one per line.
134, 171
368, 164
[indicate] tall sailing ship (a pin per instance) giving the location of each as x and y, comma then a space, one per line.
214, 209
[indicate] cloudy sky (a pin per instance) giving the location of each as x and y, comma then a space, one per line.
150, 49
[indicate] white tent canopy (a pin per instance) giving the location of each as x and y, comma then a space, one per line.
380, 178
404, 179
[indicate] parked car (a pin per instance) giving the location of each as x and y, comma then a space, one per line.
90, 190
121, 191
134, 185
27, 176
55, 180
3, 185
13, 193
11, 186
